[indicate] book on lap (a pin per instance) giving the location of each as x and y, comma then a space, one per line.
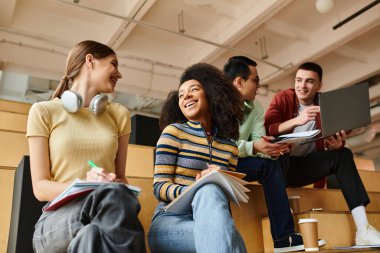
230, 182
80, 188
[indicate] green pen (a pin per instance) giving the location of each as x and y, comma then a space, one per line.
92, 164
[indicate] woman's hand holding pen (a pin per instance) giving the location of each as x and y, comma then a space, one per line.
272, 149
99, 174
204, 172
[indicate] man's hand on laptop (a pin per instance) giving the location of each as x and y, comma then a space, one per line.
336, 141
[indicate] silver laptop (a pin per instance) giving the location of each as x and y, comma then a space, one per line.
344, 109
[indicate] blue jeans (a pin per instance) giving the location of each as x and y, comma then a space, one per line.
209, 228
103, 221
269, 173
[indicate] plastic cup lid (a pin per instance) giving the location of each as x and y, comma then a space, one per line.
307, 220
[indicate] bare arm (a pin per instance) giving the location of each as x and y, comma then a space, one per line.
121, 159
43, 188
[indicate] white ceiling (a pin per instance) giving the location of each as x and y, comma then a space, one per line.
36, 35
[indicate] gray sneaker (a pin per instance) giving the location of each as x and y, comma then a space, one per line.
368, 236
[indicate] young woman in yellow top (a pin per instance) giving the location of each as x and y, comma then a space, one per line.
77, 125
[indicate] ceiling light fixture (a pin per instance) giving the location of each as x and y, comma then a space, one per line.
324, 6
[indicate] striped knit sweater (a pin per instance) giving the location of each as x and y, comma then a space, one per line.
182, 152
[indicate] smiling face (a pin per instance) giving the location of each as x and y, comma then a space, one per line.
105, 74
193, 102
307, 84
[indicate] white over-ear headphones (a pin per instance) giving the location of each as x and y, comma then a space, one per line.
73, 101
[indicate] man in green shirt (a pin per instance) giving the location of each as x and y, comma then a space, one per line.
258, 157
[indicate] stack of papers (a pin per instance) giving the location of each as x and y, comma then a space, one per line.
295, 137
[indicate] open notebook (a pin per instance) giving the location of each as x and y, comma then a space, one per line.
230, 182
79, 188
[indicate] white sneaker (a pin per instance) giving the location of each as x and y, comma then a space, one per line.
368, 236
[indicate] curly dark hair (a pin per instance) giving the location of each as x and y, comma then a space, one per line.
223, 98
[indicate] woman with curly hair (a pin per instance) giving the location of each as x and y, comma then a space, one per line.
199, 121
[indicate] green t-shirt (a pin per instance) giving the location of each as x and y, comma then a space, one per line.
251, 129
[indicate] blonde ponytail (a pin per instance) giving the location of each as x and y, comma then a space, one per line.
62, 87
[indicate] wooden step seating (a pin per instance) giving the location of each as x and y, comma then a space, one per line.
139, 171
248, 217
335, 214
336, 228
13, 143
6, 190
146, 198
13, 146
348, 250
371, 180
16, 107
330, 199
14, 122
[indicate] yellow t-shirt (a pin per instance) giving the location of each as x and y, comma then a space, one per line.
75, 138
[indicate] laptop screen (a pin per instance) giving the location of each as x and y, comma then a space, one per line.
344, 109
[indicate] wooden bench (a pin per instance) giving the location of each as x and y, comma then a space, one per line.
139, 170
337, 228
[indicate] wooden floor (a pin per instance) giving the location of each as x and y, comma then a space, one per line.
350, 250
